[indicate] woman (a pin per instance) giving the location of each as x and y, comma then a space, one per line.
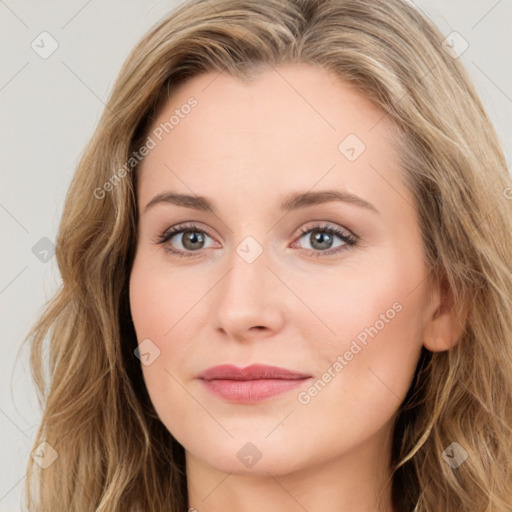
368, 370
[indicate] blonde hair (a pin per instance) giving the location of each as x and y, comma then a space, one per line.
114, 454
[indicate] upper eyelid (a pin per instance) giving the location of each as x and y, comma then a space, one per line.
325, 225
316, 223
180, 228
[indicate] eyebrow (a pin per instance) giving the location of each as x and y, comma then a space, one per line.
294, 201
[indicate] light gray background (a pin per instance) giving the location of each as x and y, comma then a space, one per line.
49, 109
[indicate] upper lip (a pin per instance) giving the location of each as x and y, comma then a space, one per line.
252, 372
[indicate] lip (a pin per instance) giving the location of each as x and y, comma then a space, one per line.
252, 372
252, 384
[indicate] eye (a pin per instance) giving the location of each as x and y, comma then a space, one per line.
321, 238
192, 239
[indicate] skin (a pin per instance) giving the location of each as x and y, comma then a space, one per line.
245, 147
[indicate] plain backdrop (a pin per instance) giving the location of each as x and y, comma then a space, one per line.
49, 109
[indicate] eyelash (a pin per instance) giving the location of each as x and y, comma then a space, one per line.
349, 240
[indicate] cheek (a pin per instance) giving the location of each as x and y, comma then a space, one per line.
162, 309
371, 322
159, 297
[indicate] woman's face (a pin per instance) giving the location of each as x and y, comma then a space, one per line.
256, 277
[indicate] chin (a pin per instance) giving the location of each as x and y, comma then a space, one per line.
252, 458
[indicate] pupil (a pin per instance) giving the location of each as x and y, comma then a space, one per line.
318, 237
193, 238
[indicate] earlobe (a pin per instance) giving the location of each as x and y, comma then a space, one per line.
444, 327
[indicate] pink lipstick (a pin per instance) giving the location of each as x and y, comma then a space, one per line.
252, 384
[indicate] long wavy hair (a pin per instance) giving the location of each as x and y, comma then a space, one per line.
114, 454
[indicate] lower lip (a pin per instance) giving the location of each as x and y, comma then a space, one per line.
251, 391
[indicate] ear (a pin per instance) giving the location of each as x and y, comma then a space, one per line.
444, 326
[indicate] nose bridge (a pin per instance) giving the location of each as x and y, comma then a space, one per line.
249, 274
247, 296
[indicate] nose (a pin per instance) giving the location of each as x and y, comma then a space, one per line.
249, 299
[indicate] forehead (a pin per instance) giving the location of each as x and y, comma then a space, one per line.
292, 126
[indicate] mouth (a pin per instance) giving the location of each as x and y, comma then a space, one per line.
252, 384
